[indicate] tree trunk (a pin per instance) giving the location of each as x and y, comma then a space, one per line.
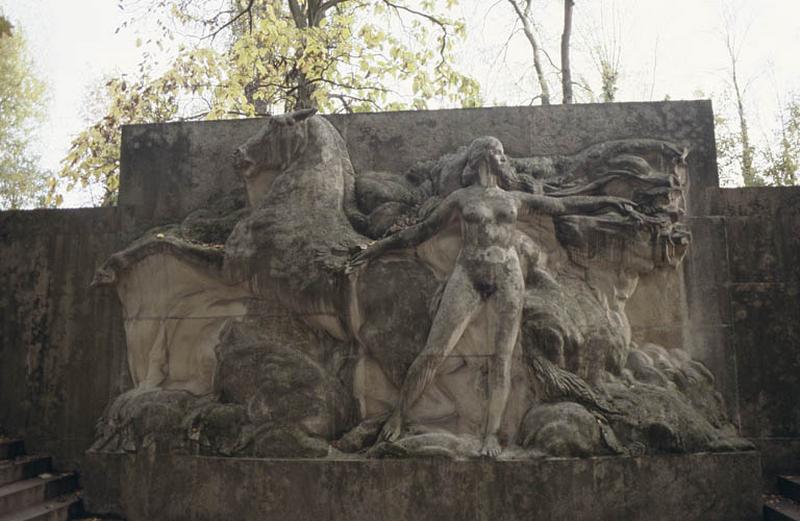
566, 72
303, 97
537, 55
748, 173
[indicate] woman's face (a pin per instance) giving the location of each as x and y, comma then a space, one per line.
496, 157
486, 159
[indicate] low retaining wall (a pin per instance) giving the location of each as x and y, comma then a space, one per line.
149, 487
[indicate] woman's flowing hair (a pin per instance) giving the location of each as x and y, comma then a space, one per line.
507, 179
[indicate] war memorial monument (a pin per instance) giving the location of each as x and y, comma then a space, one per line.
518, 313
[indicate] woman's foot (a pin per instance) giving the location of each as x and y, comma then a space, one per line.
491, 446
393, 427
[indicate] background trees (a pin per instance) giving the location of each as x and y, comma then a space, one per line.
255, 57
744, 156
22, 182
600, 63
232, 58
782, 154
599, 43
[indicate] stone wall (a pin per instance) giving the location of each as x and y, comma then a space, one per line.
170, 170
62, 345
755, 233
733, 306
692, 487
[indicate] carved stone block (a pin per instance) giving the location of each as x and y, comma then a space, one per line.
475, 305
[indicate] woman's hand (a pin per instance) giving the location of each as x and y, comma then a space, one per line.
620, 204
366, 253
628, 208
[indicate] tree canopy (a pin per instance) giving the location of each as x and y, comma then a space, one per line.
255, 57
22, 182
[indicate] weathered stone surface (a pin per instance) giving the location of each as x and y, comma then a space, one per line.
707, 328
754, 201
755, 252
779, 457
761, 227
186, 164
767, 348
547, 249
691, 487
50, 321
563, 430
396, 327
278, 383
62, 346
170, 170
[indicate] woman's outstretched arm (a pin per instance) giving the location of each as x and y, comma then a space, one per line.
412, 235
531, 204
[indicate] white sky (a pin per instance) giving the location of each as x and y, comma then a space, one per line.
74, 45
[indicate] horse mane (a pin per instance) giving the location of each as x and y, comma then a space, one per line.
296, 244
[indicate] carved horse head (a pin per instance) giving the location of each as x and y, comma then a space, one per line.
271, 151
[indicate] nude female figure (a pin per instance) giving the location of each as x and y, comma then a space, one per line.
487, 277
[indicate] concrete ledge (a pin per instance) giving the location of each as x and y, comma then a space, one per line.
721, 486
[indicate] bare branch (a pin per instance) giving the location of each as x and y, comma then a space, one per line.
566, 72
527, 27
746, 159
330, 3
345, 97
195, 117
246, 11
430, 18
550, 60
655, 65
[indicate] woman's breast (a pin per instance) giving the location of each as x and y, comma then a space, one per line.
477, 214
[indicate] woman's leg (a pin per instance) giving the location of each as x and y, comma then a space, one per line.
505, 310
458, 306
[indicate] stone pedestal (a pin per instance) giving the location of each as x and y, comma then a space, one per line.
719, 486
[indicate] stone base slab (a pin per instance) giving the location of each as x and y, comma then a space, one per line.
150, 487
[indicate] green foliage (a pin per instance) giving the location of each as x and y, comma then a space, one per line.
609, 77
94, 154
22, 182
783, 161
775, 161
737, 155
735, 161
727, 156
271, 56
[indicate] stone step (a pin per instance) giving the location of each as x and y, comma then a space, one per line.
61, 508
777, 508
11, 448
29, 492
23, 467
789, 487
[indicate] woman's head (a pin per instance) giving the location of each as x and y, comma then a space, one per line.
484, 155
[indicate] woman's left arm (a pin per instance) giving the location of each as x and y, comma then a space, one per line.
531, 204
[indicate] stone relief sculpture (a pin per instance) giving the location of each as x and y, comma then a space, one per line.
487, 278
472, 306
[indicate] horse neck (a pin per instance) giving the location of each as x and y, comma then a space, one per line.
325, 147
